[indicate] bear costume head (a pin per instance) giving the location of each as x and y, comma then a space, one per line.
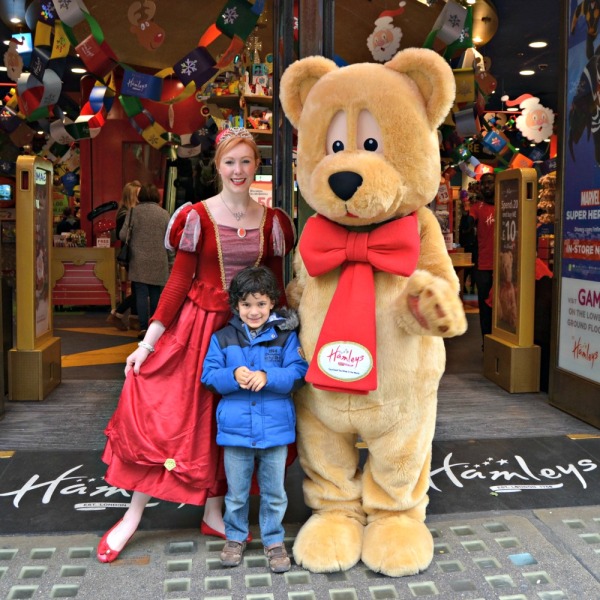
378, 122
376, 293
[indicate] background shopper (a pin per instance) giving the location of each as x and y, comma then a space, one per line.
149, 261
483, 213
129, 199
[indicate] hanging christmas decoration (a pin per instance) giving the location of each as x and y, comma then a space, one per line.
535, 121
384, 42
453, 29
173, 95
149, 34
13, 60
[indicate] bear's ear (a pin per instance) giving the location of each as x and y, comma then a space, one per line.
433, 76
297, 81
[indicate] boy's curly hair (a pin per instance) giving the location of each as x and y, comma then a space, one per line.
253, 280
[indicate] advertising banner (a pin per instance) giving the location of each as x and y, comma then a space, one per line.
579, 324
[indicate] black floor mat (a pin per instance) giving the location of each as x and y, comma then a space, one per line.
522, 473
61, 491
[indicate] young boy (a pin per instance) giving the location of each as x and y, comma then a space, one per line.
255, 363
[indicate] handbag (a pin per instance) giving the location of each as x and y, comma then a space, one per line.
125, 251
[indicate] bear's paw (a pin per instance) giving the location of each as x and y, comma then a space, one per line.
397, 546
328, 542
434, 306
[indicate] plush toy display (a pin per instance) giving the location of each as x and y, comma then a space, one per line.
376, 292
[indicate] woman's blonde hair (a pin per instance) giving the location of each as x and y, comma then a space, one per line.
129, 196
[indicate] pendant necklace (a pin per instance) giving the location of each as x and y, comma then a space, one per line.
238, 216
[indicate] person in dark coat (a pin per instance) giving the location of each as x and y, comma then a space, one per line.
149, 261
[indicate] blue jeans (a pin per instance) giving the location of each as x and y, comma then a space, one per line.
239, 466
145, 292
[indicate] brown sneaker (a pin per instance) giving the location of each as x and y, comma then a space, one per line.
112, 319
279, 561
231, 556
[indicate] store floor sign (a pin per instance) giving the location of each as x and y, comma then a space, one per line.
522, 473
50, 492
46, 492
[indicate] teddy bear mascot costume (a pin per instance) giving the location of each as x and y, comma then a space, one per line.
376, 293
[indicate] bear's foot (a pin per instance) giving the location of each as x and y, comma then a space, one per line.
328, 542
397, 546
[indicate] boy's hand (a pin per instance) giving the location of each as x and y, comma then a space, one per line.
242, 375
257, 381
250, 380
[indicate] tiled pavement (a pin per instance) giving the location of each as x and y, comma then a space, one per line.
542, 555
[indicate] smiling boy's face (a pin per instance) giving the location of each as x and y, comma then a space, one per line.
255, 309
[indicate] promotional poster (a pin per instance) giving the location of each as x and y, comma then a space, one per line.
579, 342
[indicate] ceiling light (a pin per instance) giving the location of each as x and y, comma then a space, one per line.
15, 20
527, 72
538, 44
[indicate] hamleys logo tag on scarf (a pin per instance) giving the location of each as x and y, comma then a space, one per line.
345, 361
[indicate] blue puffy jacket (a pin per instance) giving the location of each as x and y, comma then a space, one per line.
256, 419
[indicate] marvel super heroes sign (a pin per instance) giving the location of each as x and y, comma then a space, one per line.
582, 231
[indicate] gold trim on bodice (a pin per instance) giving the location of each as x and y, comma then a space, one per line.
261, 242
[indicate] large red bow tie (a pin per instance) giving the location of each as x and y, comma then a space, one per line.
391, 247
345, 356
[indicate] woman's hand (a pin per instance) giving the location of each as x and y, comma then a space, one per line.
136, 359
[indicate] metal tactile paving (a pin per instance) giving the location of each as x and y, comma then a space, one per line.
503, 557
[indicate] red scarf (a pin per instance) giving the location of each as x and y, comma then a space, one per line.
345, 356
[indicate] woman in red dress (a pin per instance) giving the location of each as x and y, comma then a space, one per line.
162, 437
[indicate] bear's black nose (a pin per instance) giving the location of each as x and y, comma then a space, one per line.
345, 183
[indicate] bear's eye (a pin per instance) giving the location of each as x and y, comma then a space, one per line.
368, 133
371, 145
337, 133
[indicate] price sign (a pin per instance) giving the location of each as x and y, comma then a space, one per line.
514, 256
507, 274
34, 241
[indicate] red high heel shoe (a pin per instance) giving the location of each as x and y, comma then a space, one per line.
105, 553
206, 529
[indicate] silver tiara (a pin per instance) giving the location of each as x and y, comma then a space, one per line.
240, 132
